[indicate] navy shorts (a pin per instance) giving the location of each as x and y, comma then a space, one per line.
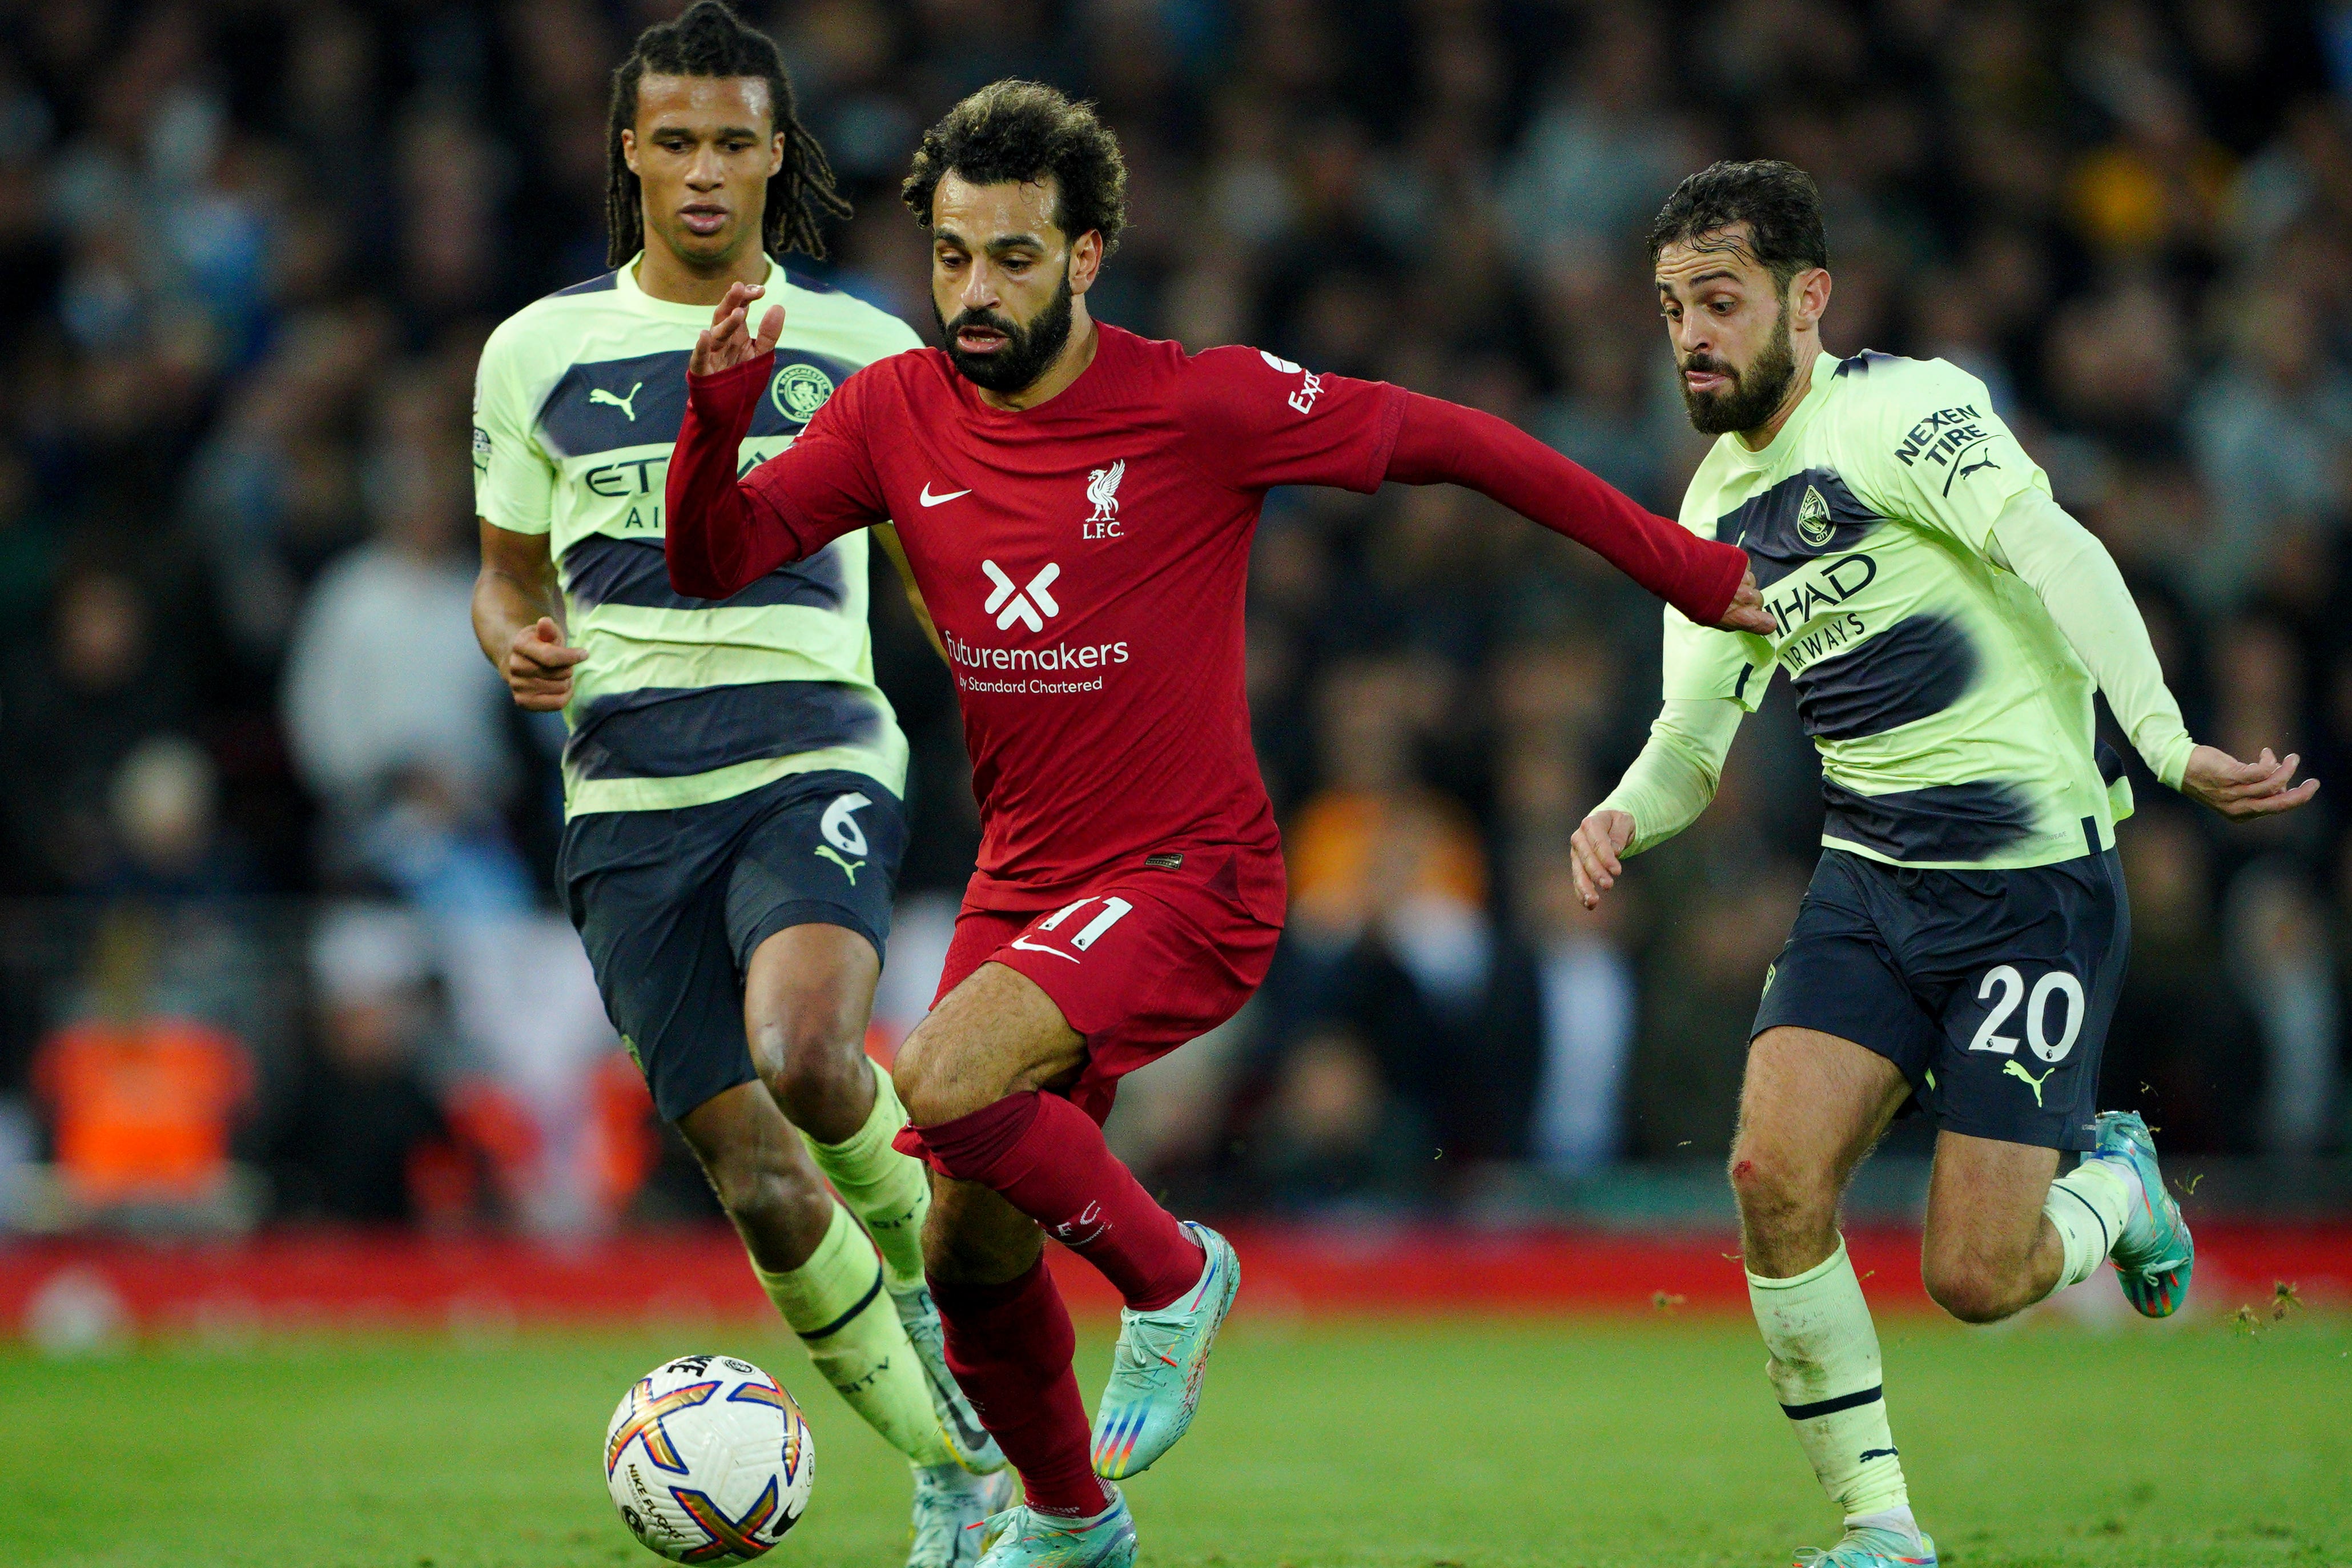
1991, 990
672, 904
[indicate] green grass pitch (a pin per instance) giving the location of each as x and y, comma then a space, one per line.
1420, 1444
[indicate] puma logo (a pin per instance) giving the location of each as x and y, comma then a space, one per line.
611, 400
1962, 468
2010, 1069
849, 869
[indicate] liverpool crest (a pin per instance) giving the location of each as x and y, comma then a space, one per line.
1102, 489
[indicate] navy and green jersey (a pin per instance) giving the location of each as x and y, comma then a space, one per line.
680, 701
1954, 722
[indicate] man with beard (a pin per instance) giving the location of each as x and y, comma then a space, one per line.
1944, 625
1078, 505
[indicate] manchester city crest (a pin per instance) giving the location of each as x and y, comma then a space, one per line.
1813, 524
800, 390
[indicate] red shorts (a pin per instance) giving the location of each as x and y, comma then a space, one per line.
1142, 961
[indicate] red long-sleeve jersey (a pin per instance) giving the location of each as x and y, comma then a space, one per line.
1084, 562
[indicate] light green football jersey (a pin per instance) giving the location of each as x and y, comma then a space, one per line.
680, 701
1955, 723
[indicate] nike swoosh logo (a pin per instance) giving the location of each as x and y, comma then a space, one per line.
927, 498
972, 1438
1032, 947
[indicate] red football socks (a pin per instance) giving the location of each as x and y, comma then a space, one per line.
1047, 1158
1009, 1346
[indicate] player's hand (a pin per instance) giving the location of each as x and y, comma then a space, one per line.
2243, 789
1595, 847
539, 667
1747, 613
729, 340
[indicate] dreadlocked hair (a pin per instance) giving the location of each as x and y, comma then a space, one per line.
709, 40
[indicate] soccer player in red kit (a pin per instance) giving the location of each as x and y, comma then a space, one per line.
1077, 504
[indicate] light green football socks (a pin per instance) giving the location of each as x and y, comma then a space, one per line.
889, 1193
2087, 1208
836, 1304
1825, 1371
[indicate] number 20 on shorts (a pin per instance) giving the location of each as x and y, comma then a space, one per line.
2055, 989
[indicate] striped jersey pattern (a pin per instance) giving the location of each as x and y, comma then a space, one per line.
1953, 719
680, 701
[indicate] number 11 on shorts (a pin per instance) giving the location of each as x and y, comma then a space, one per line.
1113, 911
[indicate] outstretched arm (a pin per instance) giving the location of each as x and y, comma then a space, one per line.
721, 532
1663, 793
1256, 421
2077, 581
1444, 443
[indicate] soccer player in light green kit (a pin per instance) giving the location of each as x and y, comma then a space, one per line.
1944, 625
733, 777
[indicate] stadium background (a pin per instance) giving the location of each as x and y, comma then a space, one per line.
277, 951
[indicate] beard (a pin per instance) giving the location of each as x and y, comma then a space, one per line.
1755, 393
1028, 350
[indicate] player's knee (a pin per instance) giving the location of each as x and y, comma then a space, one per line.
1970, 1289
927, 1082
1773, 1187
810, 1059
911, 1075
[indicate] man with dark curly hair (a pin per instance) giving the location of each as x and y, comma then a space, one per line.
1078, 503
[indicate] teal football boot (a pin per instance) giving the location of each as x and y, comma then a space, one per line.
951, 1510
2155, 1255
1871, 1547
1157, 1366
1021, 1537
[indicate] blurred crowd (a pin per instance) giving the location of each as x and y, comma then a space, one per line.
276, 851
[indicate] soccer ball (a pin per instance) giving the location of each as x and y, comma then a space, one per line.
708, 1460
